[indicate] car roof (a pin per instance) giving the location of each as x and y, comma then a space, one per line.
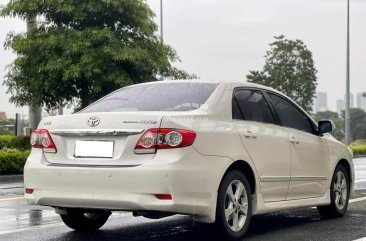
226, 82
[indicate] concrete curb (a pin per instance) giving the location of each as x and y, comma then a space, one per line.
11, 178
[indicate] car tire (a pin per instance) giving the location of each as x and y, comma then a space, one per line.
82, 220
234, 206
339, 194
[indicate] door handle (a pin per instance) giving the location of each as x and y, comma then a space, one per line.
249, 134
294, 140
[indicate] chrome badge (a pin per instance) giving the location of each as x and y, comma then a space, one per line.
93, 121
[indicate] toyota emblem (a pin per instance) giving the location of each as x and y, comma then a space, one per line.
93, 121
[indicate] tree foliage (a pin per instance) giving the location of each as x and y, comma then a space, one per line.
337, 120
326, 115
358, 123
83, 50
289, 67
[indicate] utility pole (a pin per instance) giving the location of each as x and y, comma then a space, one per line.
35, 113
161, 22
347, 102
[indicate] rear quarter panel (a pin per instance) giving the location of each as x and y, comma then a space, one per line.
216, 135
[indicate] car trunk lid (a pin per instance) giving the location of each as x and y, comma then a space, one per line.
99, 139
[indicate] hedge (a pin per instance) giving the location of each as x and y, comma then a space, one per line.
21, 143
358, 150
5, 141
12, 161
12, 142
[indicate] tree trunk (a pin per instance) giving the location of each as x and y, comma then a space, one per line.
84, 96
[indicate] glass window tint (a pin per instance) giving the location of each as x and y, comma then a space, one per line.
155, 97
290, 116
236, 110
253, 106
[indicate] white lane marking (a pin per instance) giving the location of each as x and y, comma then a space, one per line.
361, 180
13, 187
32, 228
357, 199
11, 199
58, 224
361, 239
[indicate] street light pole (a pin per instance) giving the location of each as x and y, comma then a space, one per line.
161, 21
35, 113
347, 102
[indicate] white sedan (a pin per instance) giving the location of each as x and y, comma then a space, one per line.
219, 151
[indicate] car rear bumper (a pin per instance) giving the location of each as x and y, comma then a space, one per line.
191, 178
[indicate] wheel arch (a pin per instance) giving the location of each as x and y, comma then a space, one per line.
247, 170
347, 166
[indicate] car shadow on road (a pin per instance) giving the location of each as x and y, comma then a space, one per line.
184, 228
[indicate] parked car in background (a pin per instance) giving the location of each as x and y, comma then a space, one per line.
218, 151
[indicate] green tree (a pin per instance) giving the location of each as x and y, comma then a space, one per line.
358, 123
326, 115
337, 120
83, 50
289, 67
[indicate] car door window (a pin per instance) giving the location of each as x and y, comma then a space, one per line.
289, 115
251, 105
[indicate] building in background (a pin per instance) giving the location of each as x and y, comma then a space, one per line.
361, 101
340, 106
2, 116
321, 101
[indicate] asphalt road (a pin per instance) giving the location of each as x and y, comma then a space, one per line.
19, 221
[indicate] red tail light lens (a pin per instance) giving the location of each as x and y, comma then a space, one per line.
164, 196
42, 139
154, 139
29, 190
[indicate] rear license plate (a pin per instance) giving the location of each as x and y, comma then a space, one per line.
94, 149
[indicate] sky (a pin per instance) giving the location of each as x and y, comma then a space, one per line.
224, 40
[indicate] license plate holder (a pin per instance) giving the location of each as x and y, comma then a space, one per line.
94, 149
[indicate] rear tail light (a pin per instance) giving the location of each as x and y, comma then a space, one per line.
154, 139
42, 139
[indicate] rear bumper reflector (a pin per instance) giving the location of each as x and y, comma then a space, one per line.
29, 190
164, 196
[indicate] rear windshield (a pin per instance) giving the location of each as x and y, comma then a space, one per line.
155, 97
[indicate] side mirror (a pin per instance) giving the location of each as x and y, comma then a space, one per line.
325, 126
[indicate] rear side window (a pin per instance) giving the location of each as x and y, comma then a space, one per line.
251, 105
290, 116
155, 97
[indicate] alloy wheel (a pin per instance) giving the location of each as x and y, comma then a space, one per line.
236, 205
340, 190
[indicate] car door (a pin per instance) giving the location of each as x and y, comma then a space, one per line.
310, 157
266, 143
